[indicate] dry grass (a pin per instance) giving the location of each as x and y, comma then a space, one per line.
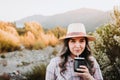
34, 37
27, 40
9, 39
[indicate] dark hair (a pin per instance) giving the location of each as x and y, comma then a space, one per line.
65, 52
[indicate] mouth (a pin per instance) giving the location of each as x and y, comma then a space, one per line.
77, 50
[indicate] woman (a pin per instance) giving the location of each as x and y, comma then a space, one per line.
75, 44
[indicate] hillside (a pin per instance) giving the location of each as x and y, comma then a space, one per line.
25, 60
90, 17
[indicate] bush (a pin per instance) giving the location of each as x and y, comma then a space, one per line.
8, 42
37, 73
107, 48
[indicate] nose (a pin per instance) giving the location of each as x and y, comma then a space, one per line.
77, 44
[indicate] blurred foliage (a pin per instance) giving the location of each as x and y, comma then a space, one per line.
39, 45
58, 31
107, 47
27, 40
55, 52
37, 72
3, 56
21, 31
35, 37
9, 38
34, 28
32, 36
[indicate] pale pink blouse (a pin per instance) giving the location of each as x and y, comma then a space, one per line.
53, 70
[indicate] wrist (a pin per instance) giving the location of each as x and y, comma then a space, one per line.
91, 78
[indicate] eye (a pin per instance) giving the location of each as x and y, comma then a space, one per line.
72, 40
82, 40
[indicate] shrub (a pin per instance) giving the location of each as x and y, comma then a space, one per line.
37, 73
107, 48
55, 52
38, 45
8, 42
3, 56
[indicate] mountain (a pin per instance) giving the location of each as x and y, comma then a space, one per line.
90, 17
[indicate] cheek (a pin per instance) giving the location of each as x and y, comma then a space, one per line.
84, 45
70, 46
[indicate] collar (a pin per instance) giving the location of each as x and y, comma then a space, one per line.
70, 59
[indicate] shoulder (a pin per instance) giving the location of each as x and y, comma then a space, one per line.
93, 59
54, 61
56, 58
52, 67
96, 68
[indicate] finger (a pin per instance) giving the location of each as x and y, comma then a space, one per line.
80, 74
81, 70
83, 67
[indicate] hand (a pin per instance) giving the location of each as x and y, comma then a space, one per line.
84, 73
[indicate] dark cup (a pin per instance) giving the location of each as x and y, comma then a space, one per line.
79, 61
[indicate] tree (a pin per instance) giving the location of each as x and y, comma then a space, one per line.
107, 47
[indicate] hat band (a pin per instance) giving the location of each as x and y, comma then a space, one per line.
76, 34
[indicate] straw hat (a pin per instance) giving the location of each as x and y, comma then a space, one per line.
77, 30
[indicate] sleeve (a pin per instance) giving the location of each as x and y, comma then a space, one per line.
50, 71
97, 75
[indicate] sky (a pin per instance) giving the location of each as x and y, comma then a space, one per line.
11, 10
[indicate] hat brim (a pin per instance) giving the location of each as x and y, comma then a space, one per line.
90, 38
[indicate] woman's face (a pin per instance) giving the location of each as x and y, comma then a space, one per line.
76, 45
